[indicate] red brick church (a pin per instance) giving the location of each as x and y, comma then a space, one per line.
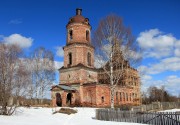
79, 79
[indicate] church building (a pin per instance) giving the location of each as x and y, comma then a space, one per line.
79, 83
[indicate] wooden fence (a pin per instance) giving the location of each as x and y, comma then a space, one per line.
156, 106
153, 118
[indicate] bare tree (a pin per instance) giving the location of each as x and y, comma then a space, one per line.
116, 50
9, 66
43, 71
19, 76
23, 80
159, 94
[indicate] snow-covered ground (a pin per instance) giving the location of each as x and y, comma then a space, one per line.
44, 116
171, 110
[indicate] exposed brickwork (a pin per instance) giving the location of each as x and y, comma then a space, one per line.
102, 95
78, 33
79, 73
79, 55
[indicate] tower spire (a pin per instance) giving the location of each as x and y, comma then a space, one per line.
78, 11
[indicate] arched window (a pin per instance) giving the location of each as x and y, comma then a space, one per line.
70, 58
69, 98
120, 96
133, 95
126, 96
89, 59
136, 95
58, 99
87, 35
117, 97
70, 34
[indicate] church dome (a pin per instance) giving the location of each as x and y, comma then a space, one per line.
78, 18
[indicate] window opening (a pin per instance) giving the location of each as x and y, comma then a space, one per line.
102, 99
89, 59
70, 58
71, 34
87, 35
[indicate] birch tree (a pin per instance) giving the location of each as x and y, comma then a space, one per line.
9, 65
115, 50
43, 71
22, 80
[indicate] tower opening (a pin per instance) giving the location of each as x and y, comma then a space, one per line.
70, 34
70, 58
87, 35
89, 59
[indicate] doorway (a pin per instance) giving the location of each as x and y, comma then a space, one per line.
58, 99
69, 98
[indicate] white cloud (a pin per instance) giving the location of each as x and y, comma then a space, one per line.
177, 48
156, 44
161, 53
146, 77
177, 52
60, 51
58, 64
171, 83
99, 61
168, 64
146, 83
133, 56
142, 70
15, 21
19, 40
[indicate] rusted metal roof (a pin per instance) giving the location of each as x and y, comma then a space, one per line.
63, 87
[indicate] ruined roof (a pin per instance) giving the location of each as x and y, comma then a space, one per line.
76, 66
63, 87
78, 18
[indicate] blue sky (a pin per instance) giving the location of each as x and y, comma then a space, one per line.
155, 24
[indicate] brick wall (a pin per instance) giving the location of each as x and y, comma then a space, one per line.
76, 75
79, 33
102, 95
79, 55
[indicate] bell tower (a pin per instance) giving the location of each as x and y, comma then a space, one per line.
78, 29
78, 52
78, 49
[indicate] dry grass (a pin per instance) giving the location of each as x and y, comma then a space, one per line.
67, 111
